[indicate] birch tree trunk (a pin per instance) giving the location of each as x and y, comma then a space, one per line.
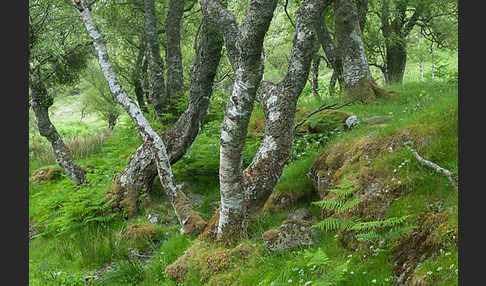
244, 44
358, 84
40, 104
141, 170
191, 221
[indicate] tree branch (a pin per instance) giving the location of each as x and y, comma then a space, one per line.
432, 165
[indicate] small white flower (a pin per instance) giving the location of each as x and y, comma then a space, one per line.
439, 268
350, 255
429, 272
447, 254
390, 149
386, 279
290, 281
452, 266
399, 182
352, 272
364, 272
373, 281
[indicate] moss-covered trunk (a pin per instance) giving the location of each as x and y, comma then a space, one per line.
156, 65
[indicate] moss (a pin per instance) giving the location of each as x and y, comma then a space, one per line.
141, 231
208, 261
128, 203
271, 234
257, 123
45, 174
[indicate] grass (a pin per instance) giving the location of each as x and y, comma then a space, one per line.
64, 255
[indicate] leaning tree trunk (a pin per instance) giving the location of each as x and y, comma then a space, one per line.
40, 104
191, 221
175, 80
156, 65
279, 105
141, 170
358, 84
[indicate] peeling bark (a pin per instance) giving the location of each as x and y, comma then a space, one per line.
40, 104
191, 221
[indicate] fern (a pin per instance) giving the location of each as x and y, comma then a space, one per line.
339, 223
387, 229
369, 236
330, 205
349, 204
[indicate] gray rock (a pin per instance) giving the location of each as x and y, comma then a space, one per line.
371, 134
153, 218
196, 199
301, 214
292, 233
352, 121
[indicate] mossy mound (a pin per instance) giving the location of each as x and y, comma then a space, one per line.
45, 174
141, 231
208, 261
375, 165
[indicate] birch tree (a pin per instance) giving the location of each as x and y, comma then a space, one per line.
190, 220
245, 191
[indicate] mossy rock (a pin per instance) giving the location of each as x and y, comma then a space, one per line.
291, 233
324, 121
45, 174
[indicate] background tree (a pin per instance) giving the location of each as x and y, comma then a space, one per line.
57, 55
97, 97
395, 20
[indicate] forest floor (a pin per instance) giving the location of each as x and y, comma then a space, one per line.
75, 241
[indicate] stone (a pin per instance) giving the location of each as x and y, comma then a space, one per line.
352, 121
153, 218
300, 214
292, 233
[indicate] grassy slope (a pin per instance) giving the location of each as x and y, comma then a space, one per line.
88, 246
